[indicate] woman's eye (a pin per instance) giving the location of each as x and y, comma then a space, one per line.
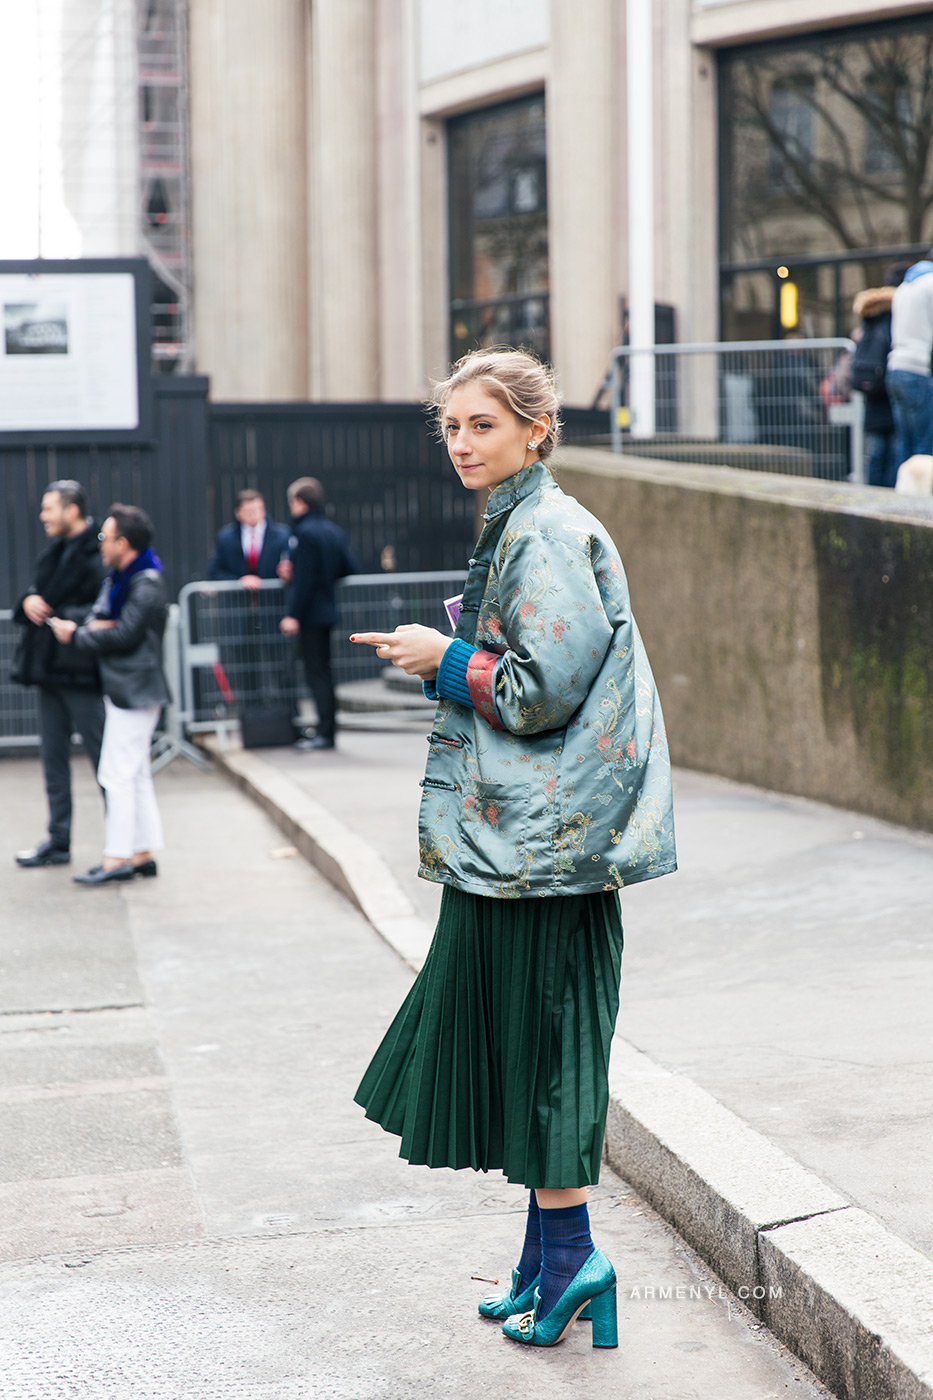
483, 426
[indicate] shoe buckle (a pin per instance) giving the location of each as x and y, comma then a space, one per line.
526, 1324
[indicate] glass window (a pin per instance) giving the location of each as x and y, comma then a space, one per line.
497, 176
825, 142
791, 129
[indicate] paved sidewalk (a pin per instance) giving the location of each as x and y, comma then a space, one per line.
191, 1207
787, 967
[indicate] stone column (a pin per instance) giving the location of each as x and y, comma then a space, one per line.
401, 371
583, 149
344, 246
249, 198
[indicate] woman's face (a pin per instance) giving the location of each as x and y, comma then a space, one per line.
486, 442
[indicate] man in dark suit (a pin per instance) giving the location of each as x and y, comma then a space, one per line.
252, 547
246, 552
320, 555
66, 579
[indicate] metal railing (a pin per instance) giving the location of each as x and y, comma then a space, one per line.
234, 658
223, 653
765, 405
19, 709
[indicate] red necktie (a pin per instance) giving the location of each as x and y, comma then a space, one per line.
252, 556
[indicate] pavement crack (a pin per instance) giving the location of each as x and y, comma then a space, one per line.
796, 1219
72, 1010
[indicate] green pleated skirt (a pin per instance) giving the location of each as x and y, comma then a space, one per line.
499, 1056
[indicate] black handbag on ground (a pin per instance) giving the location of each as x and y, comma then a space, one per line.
269, 727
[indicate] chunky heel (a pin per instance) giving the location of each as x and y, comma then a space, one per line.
605, 1319
592, 1290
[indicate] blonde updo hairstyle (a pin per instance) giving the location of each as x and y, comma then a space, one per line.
516, 379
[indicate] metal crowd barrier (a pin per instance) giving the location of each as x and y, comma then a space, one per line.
233, 657
19, 709
223, 653
765, 405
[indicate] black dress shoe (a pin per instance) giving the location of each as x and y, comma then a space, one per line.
46, 853
148, 868
311, 745
97, 875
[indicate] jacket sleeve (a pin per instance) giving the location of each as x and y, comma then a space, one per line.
136, 617
556, 632
219, 566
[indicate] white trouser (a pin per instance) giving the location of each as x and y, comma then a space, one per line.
133, 821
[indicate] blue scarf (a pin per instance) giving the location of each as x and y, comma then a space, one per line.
919, 269
120, 579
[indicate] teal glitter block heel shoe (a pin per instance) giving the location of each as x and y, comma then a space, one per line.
517, 1300
593, 1285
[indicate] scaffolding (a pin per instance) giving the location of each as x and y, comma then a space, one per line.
164, 197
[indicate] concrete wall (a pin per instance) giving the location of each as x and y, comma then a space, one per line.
789, 624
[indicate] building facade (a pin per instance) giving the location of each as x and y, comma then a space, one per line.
339, 196
379, 184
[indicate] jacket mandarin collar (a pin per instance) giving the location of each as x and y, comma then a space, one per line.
515, 488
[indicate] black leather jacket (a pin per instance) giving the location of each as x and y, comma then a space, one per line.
130, 654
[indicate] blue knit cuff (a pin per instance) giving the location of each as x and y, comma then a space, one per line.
430, 690
451, 680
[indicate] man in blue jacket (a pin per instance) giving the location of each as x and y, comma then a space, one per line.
320, 555
246, 552
252, 547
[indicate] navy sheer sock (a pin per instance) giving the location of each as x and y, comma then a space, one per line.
565, 1247
530, 1262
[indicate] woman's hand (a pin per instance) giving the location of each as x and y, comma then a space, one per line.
416, 650
63, 628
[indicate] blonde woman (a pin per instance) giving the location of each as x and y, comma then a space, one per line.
547, 790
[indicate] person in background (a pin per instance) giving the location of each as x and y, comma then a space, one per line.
252, 547
124, 632
66, 579
320, 555
249, 550
908, 379
869, 362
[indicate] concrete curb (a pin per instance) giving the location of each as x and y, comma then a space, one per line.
348, 862
848, 1296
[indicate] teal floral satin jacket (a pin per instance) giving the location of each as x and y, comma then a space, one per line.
558, 780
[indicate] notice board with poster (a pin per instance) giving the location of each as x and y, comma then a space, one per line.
75, 351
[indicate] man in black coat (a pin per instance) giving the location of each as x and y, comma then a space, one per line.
320, 555
66, 579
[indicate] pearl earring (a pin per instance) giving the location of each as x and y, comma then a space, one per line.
532, 444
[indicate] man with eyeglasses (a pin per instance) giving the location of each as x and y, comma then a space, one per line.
66, 578
124, 632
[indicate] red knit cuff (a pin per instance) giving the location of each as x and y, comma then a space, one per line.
481, 669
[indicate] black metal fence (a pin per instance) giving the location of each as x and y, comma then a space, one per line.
386, 478
168, 478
